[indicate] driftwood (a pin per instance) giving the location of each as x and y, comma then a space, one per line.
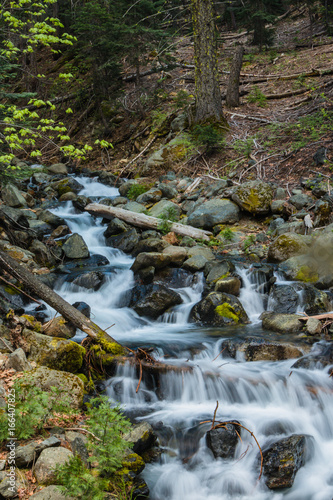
316, 316
254, 118
145, 221
69, 312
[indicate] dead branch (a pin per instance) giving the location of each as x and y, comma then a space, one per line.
255, 118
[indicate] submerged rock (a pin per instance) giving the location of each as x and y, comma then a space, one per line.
157, 301
223, 441
283, 459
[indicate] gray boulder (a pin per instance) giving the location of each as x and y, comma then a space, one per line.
142, 436
125, 241
48, 460
165, 208
300, 200
152, 196
58, 169
213, 212
155, 259
27, 454
195, 263
12, 196
91, 280
286, 246
75, 247
281, 323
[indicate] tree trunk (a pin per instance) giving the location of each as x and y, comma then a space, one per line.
232, 98
69, 312
145, 221
207, 90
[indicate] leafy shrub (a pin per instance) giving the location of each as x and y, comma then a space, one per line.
135, 190
33, 409
166, 220
257, 97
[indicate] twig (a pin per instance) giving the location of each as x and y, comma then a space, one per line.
213, 422
255, 118
138, 156
140, 378
219, 353
7, 345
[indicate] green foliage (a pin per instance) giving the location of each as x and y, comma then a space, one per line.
182, 99
107, 451
207, 136
166, 220
33, 409
227, 234
257, 97
244, 146
135, 190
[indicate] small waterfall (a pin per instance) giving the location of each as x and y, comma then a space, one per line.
251, 299
271, 399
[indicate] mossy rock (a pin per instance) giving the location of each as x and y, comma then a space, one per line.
133, 462
286, 246
53, 352
218, 309
254, 197
69, 385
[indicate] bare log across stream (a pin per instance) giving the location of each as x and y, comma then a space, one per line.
69, 312
145, 221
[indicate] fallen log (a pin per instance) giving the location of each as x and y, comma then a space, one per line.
145, 221
16, 270
316, 316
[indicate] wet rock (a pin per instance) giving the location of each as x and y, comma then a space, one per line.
150, 245
60, 231
146, 275
126, 241
133, 462
300, 268
229, 285
282, 323
258, 349
155, 259
68, 185
40, 228
142, 436
48, 460
60, 328
70, 196
12, 196
223, 440
213, 212
283, 299
42, 254
54, 352
218, 309
50, 218
156, 302
165, 208
218, 271
320, 356
80, 202
92, 280
254, 197
286, 246
82, 307
116, 226
283, 459
203, 251
75, 247
70, 386
95, 260
196, 263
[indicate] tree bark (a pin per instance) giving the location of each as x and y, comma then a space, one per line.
232, 97
207, 90
145, 221
69, 312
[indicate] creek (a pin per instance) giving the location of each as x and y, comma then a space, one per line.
268, 398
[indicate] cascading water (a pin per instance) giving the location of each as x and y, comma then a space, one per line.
268, 398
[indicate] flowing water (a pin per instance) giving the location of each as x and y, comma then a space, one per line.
268, 398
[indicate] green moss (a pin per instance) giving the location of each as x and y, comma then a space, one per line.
222, 277
227, 311
83, 378
133, 462
307, 275
33, 324
110, 347
11, 290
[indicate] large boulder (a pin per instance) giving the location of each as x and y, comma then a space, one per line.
218, 309
283, 459
258, 349
213, 212
53, 352
157, 301
75, 247
150, 244
222, 441
70, 386
92, 280
44, 469
281, 323
286, 246
12, 196
289, 298
254, 197
303, 268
